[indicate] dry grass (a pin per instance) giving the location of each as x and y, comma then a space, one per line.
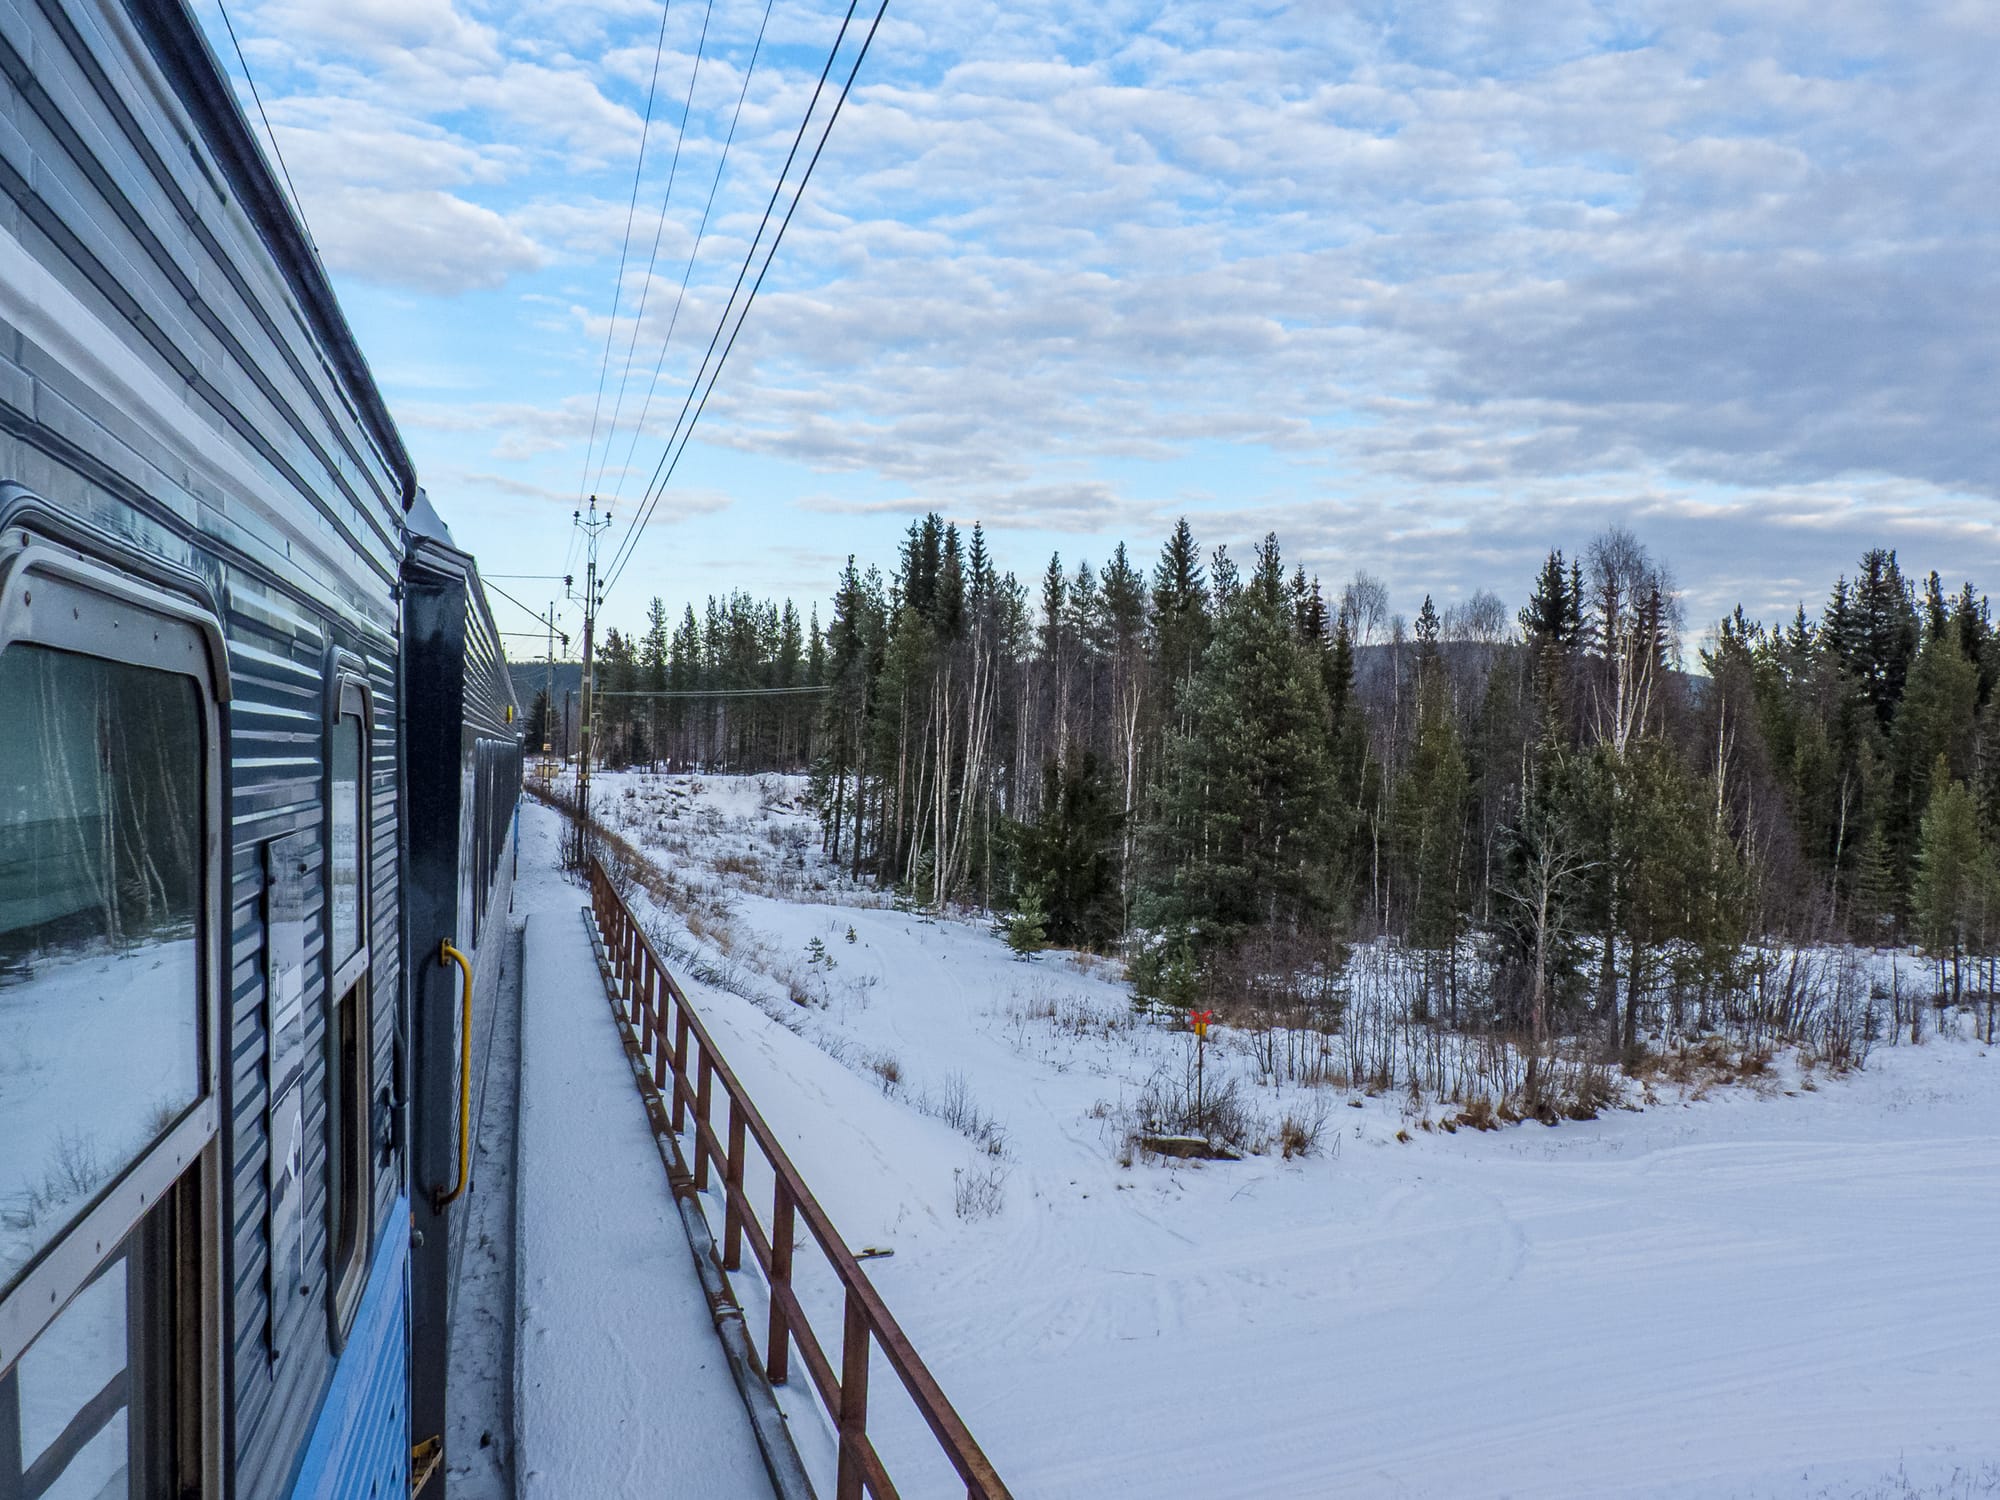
888, 1070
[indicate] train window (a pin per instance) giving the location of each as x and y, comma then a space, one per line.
110, 838
345, 838
350, 1032
101, 780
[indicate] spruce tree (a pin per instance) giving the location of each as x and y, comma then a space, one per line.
1952, 875
1245, 834
1068, 856
1181, 621
1430, 808
1027, 931
653, 648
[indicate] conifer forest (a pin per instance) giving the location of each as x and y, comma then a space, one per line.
1489, 852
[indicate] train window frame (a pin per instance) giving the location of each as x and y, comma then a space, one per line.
59, 598
350, 1013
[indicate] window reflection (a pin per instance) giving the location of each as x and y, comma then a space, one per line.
100, 886
346, 838
71, 1391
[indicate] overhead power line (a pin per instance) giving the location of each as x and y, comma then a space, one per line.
771, 692
653, 256
298, 206
750, 255
624, 250
669, 460
687, 271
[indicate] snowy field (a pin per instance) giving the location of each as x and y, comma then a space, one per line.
1784, 1288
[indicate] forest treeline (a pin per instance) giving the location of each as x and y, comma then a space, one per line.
1233, 774
738, 689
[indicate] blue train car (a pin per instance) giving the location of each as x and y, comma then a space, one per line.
236, 655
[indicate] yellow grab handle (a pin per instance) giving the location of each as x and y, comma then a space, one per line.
450, 955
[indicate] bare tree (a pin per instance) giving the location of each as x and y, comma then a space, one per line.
1481, 620
1639, 625
1365, 603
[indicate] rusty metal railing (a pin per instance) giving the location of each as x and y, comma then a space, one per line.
688, 1071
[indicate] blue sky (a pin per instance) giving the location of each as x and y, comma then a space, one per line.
1424, 288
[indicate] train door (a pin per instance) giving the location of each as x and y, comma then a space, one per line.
110, 871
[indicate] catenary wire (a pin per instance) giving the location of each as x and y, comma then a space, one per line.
495, 588
618, 559
670, 459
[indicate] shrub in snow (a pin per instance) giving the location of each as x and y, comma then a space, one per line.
954, 1105
1299, 1130
978, 1192
887, 1069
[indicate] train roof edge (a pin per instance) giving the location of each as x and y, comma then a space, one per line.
204, 90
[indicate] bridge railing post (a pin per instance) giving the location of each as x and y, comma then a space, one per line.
680, 1068
732, 1193
777, 1347
704, 1096
854, 1337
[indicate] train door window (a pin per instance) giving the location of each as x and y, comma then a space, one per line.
99, 1404
350, 1032
109, 837
100, 896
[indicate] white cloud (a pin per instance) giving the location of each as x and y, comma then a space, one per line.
1453, 271
425, 240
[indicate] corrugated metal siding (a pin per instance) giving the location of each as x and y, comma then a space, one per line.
278, 658
101, 165
385, 932
277, 653
360, 1446
109, 184
491, 767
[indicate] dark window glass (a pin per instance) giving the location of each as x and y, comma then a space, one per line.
348, 1152
345, 838
100, 886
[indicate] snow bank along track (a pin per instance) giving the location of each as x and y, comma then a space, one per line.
675, 1054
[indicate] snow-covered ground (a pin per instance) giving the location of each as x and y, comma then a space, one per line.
1783, 1289
621, 1387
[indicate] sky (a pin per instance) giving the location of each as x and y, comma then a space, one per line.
1426, 289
